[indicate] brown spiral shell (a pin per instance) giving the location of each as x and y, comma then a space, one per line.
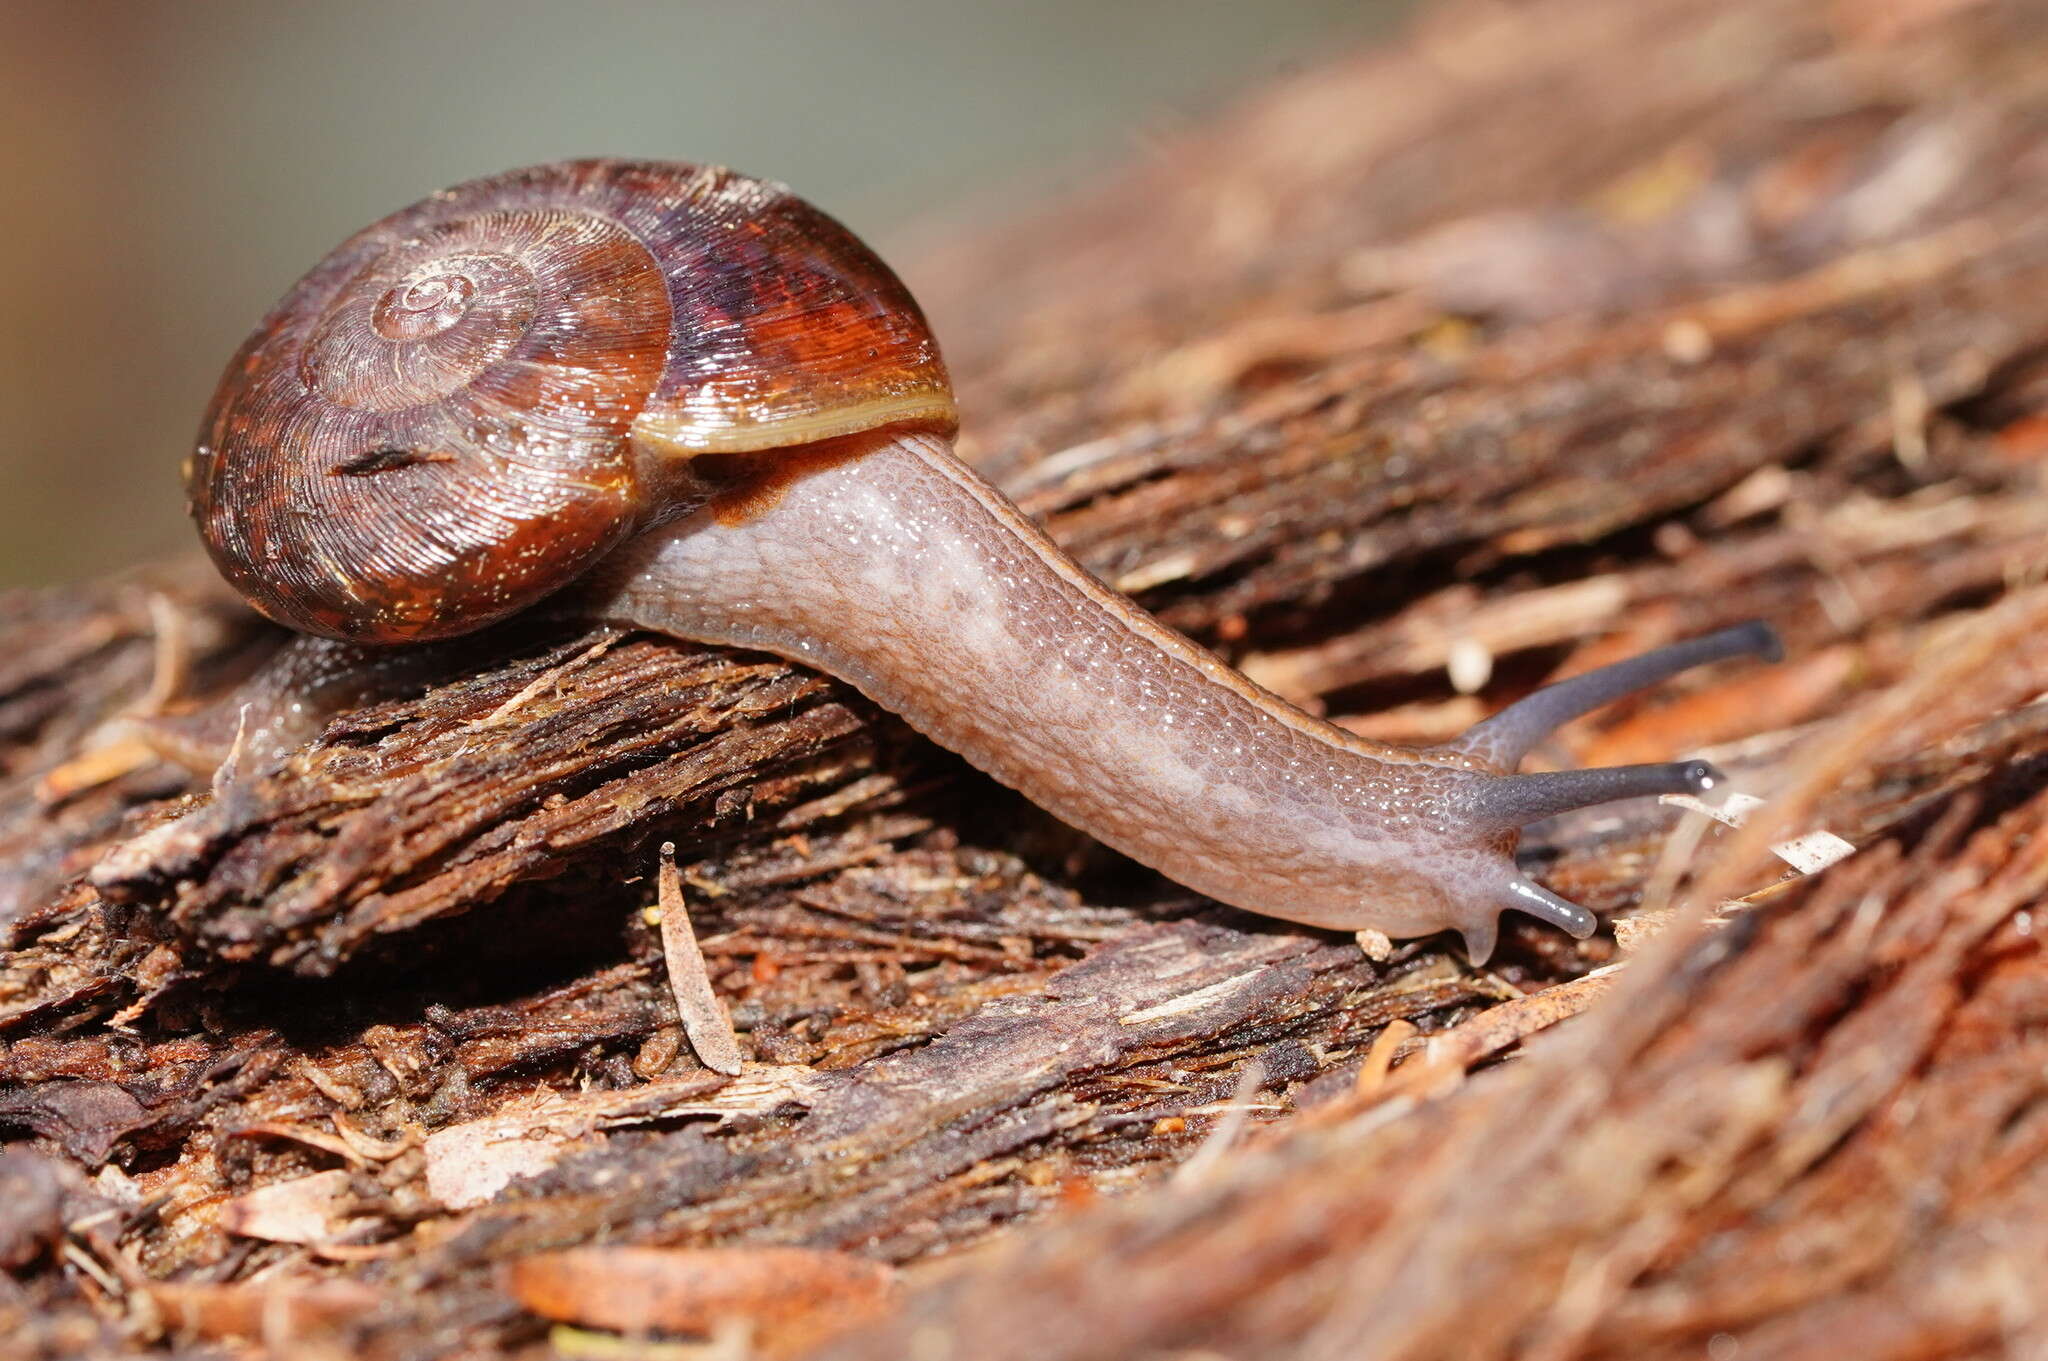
468, 403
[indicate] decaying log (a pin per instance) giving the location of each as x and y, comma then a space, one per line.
1552, 333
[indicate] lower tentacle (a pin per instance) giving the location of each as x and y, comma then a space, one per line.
1540, 903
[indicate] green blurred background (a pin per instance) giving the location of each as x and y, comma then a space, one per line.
171, 168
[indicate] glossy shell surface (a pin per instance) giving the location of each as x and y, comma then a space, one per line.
468, 403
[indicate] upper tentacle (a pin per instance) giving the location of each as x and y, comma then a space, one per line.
1507, 737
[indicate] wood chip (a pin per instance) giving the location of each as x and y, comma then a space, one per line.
704, 1017
469, 1163
791, 1298
1809, 852
280, 1314
316, 1209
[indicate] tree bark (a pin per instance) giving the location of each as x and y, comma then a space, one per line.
1549, 334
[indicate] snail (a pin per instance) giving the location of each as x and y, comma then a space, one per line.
674, 398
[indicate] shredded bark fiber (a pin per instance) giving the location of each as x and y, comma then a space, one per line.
1553, 333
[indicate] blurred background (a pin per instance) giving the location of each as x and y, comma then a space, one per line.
171, 169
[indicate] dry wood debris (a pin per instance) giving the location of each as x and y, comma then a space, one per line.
1553, 333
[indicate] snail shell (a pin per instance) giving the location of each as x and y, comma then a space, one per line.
469, 402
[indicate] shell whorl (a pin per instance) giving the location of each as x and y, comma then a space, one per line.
471, 401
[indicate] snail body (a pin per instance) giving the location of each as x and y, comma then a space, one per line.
679, 399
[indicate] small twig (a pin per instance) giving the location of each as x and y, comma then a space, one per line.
704, 1019
551, 676
229, 770
1655, 913
1206, 1160
101, 765
367, 1145
171, 637
339, 1145
1452, 1053
1372, 1074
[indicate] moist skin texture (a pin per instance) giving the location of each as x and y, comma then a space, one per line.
896, 568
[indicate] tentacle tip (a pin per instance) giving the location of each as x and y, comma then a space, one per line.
1479, 940
1763, 640
1545, 906
1701, 776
